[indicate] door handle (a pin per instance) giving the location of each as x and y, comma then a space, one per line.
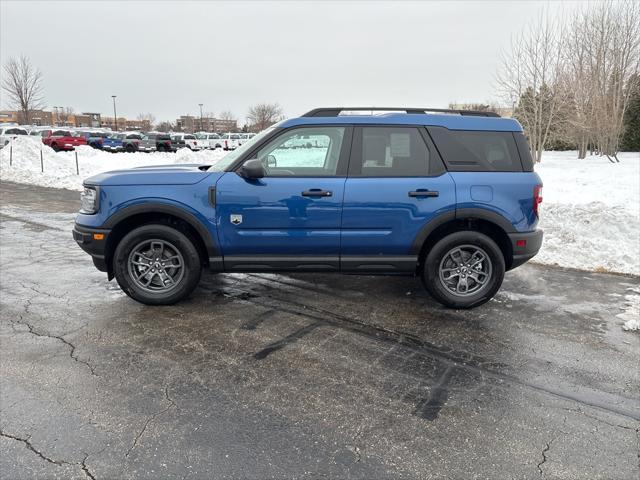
424, 193
316, 192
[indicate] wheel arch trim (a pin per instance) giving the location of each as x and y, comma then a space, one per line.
158, 207
458, 214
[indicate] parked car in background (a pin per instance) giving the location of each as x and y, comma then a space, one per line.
156, 141
209, 140
231, 141
177, 142
94, 138
131, 141
113, 142
59, 139
9, 133
190, 140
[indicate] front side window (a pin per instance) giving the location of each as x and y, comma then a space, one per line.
392, 152
312, 151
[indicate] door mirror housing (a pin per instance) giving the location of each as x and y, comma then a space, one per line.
252, 169
271, 161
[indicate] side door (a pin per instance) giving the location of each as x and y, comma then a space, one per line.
397, 185
290, 219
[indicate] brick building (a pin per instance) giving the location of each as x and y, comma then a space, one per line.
191, 124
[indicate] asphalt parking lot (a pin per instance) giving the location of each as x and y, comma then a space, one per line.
304, 376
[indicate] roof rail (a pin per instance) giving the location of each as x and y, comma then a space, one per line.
335, 111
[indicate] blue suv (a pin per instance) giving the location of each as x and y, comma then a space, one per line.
450, 196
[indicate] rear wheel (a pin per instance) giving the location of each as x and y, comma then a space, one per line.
157, 265
130, 148
464, 269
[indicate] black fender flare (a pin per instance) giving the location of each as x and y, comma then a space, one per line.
156, 207
459, 214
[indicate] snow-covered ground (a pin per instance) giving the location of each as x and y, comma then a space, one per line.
590, 212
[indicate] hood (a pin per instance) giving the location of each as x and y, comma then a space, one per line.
152, 175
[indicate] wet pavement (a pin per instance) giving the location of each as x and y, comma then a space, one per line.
304, 376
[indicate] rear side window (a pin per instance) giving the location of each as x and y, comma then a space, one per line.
477, 151
391, 152
524, 151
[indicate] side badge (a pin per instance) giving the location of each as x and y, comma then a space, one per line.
236, 219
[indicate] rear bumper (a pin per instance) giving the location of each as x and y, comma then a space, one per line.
89, 240
525, 246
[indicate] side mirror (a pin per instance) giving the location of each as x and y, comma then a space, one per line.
271, 161
252, 169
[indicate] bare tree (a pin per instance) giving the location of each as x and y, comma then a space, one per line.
264, 115
62, 115
479, 107
227, 115
528, 80
22, 83
149, 117
604, 55
164, 126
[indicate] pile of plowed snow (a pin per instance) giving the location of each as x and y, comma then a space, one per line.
590, 212
60, 167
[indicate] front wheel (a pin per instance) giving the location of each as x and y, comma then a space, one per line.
464, 269
157, 265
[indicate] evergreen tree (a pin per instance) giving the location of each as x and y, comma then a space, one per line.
631, 139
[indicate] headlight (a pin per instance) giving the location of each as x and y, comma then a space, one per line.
89, 201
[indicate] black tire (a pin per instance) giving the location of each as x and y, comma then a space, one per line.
55, 147
169, 237
439, 255
130, 148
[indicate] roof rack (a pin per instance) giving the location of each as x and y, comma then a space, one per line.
335, 111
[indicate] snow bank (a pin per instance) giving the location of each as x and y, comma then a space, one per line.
590, 212
631, 314
60, 167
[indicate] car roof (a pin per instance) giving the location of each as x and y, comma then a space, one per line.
452, 122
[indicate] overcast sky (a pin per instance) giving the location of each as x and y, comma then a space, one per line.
166, 57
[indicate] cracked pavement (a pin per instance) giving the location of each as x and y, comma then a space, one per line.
303, 376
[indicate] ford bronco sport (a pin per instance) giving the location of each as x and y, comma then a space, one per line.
446, 195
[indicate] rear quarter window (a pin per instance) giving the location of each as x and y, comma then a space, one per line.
477, 151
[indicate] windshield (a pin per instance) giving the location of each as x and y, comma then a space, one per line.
232, 156
16, 131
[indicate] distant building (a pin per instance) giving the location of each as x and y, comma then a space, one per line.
88, 119
141, 125
109, 122
38, 117
191, 124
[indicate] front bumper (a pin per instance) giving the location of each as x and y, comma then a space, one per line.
525, 246
94, 242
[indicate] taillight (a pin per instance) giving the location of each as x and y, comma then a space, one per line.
537, 199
